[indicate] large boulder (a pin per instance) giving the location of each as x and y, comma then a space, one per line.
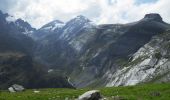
91, 95
16, 88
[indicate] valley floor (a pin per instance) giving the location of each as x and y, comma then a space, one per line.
138, 92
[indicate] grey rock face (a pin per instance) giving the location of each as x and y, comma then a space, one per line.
149, 64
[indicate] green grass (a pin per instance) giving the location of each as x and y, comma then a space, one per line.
139, 92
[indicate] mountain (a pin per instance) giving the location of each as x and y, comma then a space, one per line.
73, 27
54, 49
149, 63
80, 53
11, 37
17, 65
93, 53
24, 27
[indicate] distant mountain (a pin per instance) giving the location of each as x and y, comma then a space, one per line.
73, 27
24, 27
54, 45
91, 53
11, 38
16, 63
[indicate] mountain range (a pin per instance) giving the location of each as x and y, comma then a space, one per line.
80, 53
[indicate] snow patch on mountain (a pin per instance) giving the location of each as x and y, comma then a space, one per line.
57, 25
52, 26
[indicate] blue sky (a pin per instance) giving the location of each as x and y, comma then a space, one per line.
40, 12
145, 1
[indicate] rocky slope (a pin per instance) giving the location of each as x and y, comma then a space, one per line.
93, 53
149, 64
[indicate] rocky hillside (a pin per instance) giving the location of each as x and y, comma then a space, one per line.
91, 54
149, 64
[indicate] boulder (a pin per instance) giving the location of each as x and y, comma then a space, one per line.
16, 88
90, 95
11, 89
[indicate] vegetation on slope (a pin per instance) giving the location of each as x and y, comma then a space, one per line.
139, 92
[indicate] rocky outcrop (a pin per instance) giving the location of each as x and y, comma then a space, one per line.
149, 64
153, 16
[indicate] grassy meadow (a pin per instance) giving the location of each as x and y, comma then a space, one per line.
138, 92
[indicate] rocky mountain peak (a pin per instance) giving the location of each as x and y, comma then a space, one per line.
58, 21
53, 23
20, 20
153, 16
24, 26
23, 23
80, 19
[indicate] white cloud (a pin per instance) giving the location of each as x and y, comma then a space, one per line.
124, 11
39, 12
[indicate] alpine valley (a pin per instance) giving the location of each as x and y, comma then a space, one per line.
80, 53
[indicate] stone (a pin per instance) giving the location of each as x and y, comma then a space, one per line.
16, 88
11, 89
91, 95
